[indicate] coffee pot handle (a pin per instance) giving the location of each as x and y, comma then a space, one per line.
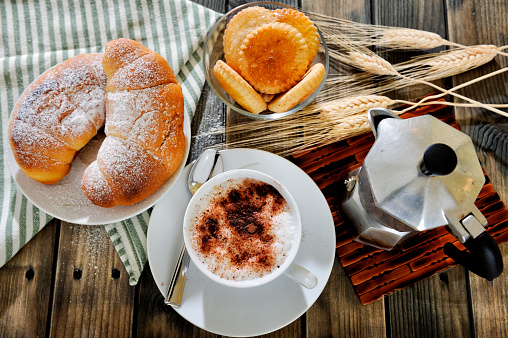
484, 257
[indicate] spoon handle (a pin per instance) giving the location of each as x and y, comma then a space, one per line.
177, 284
208, 165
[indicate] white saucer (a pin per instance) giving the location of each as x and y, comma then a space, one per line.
66, 201
254, 311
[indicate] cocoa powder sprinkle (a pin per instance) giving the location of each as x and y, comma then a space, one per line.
237, 228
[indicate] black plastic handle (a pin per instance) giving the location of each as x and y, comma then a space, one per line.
484, 257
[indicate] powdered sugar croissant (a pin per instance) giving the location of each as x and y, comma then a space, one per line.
56, 116
145, 141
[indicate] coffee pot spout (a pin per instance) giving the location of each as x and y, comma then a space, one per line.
376, 115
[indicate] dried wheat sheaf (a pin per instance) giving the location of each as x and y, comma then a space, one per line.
365, 80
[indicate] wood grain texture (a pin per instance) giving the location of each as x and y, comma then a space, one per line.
90, 300
416, 14
155, 319
488, 131
211, 112
338, 312
434, 307
25, 286
406, 313
484, 127
490, 303
41, 294
210, 115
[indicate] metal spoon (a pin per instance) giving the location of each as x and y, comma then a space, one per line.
208, 165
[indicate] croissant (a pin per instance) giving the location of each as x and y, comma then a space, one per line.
56, 116
144, 141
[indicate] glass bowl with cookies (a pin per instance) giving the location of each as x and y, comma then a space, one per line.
265, 60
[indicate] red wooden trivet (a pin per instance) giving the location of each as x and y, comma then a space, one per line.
375, 272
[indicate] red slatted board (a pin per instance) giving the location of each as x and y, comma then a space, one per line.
375, 272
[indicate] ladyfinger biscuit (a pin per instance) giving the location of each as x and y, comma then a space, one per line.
240, 25
273, 58
304, 25
238, 88
300, 92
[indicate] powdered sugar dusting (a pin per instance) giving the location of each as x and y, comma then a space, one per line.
66, 105
144, 115
147, 117
148, 71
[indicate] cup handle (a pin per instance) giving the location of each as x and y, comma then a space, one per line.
301, 275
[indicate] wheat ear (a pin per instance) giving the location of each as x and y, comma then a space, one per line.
341, 108
379, 66
402, 38
373, 64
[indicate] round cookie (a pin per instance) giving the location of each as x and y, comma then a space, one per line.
237, 29
301, 91
238, 88
273, 58
304, 25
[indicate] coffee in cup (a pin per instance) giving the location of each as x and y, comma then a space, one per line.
242, 228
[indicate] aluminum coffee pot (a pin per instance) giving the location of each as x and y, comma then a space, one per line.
421, 174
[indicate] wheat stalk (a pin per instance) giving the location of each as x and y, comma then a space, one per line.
316, 125
379, 66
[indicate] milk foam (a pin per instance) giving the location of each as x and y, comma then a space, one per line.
280, 227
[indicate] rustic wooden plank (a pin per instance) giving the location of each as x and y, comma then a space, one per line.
210, 112
435, 310
415, 14
210, 115
338, 312
25, 286
488, 131
92, 293
490, 303
434, 307
155, 319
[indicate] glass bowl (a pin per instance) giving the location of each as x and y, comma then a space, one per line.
214, 51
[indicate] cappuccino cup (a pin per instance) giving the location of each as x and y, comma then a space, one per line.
242, 229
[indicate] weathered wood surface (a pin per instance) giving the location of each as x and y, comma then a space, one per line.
489, 301
69, 281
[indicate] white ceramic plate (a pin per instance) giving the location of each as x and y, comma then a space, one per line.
66, 201
254, 311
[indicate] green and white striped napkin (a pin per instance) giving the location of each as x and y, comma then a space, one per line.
39, 34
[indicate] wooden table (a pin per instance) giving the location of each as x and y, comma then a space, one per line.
69, 280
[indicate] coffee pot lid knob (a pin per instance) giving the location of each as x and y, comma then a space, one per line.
439, 159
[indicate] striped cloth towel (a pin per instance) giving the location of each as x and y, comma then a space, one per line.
39, 34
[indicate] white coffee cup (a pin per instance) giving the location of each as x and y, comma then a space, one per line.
290, 232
